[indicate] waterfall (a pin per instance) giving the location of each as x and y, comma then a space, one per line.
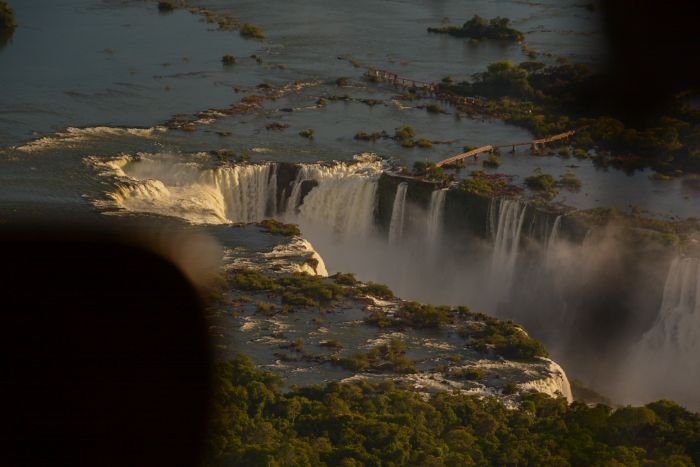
676, 333
511, 215
271, 210
244, 189
550, 245
397, 214
295, 196
343, 202
435, 213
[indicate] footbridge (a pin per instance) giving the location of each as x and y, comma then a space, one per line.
534, 144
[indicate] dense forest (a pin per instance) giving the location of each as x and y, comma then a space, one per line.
256, 424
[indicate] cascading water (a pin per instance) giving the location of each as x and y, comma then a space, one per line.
663, 364
343, 202
550, 244
271, 210
398, 211
676, 332
295, 195
246, 190
435, 213
511, 214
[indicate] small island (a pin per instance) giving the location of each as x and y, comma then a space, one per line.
478, 28
8, 24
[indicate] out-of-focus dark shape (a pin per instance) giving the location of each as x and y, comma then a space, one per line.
653, 51
104, 349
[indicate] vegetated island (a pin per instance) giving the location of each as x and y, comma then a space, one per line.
552, 99
479, 28
8, 24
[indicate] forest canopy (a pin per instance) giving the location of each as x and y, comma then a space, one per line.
256, 424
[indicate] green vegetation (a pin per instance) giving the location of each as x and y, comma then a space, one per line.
389, 356
279, 228
377, 290
492, 162
473, 373
482, 332
548, 100
479, 28
483, 184
255, 423
164, 6
8, 24
307, 290
543, 183
307, 133
249, 279
228, 59
424, 143
252, 31
342, 81
570, 181
431, 171
345, 278
434, 109
265, 307
276, 126
363, 136
504, 337
405, 134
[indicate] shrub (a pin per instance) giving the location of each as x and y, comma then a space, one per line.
405, 133
7, 18
276, 126
252, 31
331, 344
493, 161
163, 6
363, 136
249, 279
540, 182
298, 345
279, 228
265, 307
345, 278
424, 143
423, 316
434, 109
342, 81
570, 181
307, 133
228, 59
357, 361
377, 290
511, 387
472, 373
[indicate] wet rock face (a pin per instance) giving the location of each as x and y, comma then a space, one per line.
351, 333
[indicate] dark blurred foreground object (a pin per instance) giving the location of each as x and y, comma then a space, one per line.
654, 51
104, 350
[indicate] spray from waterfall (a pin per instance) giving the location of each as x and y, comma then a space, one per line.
397, 214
